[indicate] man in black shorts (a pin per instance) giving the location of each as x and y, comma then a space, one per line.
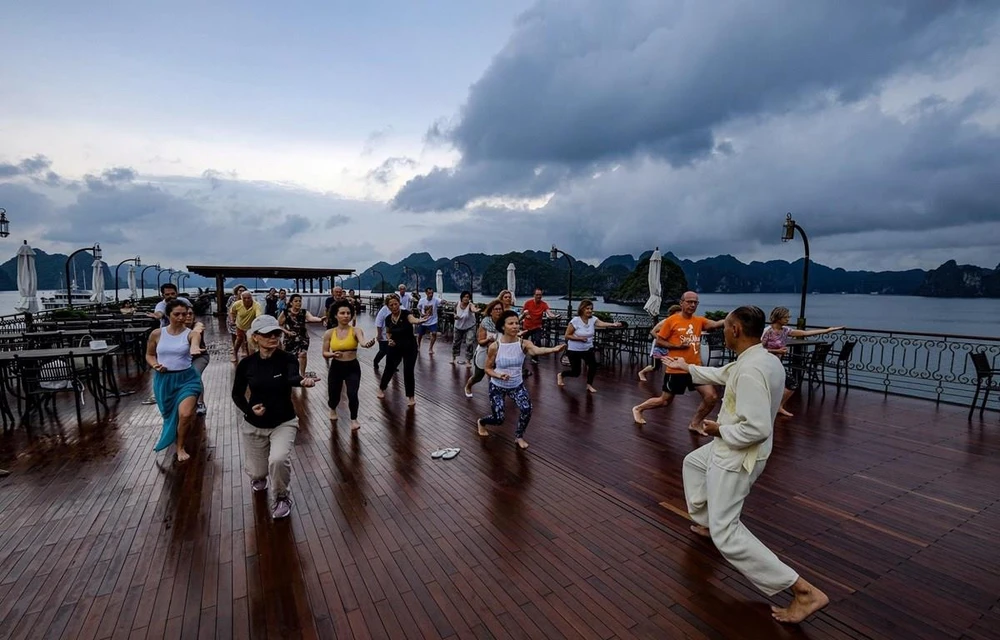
680, 334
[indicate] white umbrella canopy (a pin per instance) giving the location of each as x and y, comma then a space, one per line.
439, 282
512, 281
27, 280
133, 288
652, 305
97, 282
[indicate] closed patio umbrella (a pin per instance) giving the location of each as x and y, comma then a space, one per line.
133, 289
652, 305
439, 282
512, 281
27, 280
97, 282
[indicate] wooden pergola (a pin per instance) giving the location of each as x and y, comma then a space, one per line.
301, 276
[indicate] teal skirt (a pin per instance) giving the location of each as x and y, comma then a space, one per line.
170, 390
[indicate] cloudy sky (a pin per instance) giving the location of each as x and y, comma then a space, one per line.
340, 133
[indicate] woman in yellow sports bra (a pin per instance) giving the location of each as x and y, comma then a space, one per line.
340, 348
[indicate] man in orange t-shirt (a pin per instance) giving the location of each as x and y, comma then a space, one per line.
533, 313
681, 336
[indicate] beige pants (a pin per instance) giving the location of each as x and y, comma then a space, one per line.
268, 453
715, 499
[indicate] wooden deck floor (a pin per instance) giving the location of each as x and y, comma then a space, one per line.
889, 504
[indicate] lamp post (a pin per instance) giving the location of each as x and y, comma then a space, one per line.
408, 270
381, 277
160, 273
4, 223
180, 278
358, 276
788, 233
142, 276
136, 260
472, 288
96, 250
553, 256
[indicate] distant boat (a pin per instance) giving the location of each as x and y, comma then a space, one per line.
873, 293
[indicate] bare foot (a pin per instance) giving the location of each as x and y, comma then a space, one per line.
355, 425
807, 600
701, 531
642, 377
783, 412
483, 431
380, 394
468, 391
559, 380
521, 442
411, 402
591, 389
333, 415
468, 365
182, 455
637, 415
700, 430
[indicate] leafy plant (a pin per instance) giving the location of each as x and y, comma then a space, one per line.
716, 315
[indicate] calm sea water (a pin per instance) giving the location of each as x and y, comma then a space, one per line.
956, 316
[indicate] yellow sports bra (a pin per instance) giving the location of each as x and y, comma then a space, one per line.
350, 343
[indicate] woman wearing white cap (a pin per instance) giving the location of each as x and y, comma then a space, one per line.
176, 384
271, 422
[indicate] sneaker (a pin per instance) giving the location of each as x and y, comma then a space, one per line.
258, 485
282, 509
201, 410
534, 361
150, 400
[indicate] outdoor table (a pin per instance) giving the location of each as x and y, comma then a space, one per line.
105, 384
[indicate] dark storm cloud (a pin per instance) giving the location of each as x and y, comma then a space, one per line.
587, 83
119, 174
291, 226
850, 177
26, 167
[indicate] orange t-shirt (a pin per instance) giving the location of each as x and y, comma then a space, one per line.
536, 313
675, 328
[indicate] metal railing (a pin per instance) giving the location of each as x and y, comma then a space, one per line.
932, 366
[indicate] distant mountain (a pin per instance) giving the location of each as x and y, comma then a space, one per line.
719, 274
952, 280
51, 269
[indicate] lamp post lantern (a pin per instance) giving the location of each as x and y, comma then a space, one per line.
142, 277
788, 233
553, 256
96, 250
4, 223
136, 260
472, 282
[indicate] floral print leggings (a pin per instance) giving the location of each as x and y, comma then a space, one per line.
498, 396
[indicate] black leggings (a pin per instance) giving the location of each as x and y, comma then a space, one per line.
339, 373
575, 358
383, 351
406, 355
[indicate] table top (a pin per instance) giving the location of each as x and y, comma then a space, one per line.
37, 354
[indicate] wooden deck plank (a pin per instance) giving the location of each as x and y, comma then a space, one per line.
888, 503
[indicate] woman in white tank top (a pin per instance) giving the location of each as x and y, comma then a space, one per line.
504, 366
176, 384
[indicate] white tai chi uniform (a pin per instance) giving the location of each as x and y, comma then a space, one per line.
718, 476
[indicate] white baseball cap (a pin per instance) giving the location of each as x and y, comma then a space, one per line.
264, 325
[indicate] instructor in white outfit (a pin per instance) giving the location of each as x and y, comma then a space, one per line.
718, 476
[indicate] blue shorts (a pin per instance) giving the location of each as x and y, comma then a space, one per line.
426, 328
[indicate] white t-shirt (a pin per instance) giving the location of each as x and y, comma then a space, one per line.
432, 305
406, 301
582, 329
464, 318
380, 317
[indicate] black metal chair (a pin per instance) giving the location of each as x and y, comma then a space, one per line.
718, 354
41, 380
984, 381
815, 365
842, 361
